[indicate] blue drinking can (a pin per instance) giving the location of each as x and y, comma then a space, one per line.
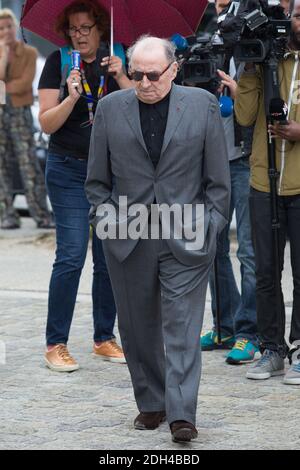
76, 60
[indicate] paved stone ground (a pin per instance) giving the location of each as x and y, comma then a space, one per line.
93, 408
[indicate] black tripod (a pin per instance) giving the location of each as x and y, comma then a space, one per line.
216, 271
217, 300
271, 90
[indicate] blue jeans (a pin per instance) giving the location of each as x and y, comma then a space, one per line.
65, 178
238, 310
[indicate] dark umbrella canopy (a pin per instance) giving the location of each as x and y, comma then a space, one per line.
132, 18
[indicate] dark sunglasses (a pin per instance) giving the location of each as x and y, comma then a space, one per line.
138, 76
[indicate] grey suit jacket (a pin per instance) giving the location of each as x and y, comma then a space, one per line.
193, 166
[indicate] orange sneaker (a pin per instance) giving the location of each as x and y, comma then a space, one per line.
60, 360
110, 351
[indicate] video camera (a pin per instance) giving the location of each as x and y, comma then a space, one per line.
254, 30
200, 57
249, 31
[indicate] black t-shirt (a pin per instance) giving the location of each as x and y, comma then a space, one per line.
72, 139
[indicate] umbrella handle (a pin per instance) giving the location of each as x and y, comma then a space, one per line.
112, 29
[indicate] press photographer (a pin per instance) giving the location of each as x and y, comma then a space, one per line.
284, 138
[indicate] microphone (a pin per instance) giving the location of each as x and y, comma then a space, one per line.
179, 41
226, 106
278, 110
226, 103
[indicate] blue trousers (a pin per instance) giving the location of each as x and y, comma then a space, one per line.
65, 178
238, 309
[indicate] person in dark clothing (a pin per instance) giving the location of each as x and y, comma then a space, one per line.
237, 307
250, 108
147, 146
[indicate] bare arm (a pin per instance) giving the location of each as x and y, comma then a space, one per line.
124, 82
3, 60
115, 66
53, 115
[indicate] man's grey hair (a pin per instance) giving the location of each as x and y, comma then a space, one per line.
147, 42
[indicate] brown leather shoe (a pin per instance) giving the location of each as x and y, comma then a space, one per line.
149, 420
182, 431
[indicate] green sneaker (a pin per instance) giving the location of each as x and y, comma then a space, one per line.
209, 341
242, 352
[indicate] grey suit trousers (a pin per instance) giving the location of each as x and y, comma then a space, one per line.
160, 304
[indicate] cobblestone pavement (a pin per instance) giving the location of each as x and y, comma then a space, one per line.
94, 408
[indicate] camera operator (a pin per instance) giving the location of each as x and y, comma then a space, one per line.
249, 108
238, 310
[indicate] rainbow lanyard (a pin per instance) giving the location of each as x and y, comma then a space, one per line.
88, 92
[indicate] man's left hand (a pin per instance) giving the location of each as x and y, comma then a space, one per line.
289, 131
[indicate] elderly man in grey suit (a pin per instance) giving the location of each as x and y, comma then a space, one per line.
164, 144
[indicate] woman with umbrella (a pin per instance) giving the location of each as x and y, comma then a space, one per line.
68, 118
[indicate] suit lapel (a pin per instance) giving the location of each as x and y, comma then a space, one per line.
176, 109
132, 113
